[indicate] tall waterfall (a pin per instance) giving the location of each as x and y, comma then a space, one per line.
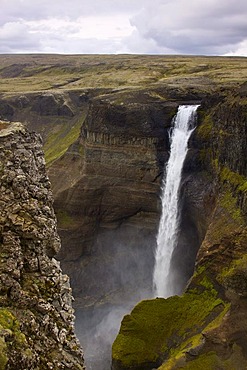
169, 222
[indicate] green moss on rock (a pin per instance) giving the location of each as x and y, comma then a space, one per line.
3, 354
229, 202
64, 219
205, 361
211, 360
159, 328
9, 322
9, 328
205, 128
233, 178
234, 276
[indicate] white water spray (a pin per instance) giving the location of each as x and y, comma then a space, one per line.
168, 227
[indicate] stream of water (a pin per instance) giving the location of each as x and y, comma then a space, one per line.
169, 223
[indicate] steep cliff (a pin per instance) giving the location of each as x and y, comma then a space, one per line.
205, 328
36, 315
111, 198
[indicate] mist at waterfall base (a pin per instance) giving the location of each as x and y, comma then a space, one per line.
98, 334
167, 237
124, 265
127, 264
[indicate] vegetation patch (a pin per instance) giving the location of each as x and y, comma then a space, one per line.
161, 328
234, 276
230, 213
236, 180
205, 128
212, 361
3, 353
60, 139
10, 329
64, 219
229, 202
9, 322
84, 71
206, 361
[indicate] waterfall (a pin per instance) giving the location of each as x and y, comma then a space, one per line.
169, 222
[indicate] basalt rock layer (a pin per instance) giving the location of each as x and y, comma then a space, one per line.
205, 328
111, 200
36, 315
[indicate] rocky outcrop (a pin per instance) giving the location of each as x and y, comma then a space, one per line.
155, 333
36, 315
50, 105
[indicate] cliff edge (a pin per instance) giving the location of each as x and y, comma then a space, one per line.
36, 315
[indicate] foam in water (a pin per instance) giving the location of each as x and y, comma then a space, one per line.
168, 227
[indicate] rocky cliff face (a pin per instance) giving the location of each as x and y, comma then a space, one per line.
106, 188
106, 182
36, 316
205, 328
111, 199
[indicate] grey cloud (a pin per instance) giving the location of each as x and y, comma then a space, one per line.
208, 27
15, 36
161, 26
37, 33
40, 9
140, 45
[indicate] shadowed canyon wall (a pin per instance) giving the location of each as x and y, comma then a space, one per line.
115, 201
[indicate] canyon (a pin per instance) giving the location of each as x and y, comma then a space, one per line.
105, 124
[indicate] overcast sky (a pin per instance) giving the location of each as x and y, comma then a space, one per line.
209, 27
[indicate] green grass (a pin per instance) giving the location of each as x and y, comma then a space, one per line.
60, 138
46, 72
155, 326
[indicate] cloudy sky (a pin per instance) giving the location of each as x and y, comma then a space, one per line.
209, 27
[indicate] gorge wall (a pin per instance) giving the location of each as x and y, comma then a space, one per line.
105, 148
205, 327
109, 215
106, 187
36, 315
114, 202
106, 180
